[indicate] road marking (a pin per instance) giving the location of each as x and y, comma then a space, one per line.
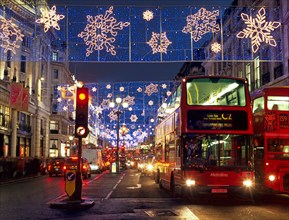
118, 182
138, 186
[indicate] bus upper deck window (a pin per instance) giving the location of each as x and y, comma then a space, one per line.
275, 107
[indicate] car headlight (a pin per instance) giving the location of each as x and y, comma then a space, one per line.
190, 182
150, 167
247, 183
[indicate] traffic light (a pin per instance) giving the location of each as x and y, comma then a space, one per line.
81, 115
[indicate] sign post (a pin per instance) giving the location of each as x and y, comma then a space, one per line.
70, 182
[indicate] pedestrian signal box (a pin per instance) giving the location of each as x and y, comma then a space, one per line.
81, 114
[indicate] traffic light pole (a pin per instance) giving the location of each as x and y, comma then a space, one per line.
78, 178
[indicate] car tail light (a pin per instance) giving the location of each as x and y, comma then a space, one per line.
64, 167
49, 167
84, 167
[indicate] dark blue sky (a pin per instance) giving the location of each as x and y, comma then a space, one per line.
115, 72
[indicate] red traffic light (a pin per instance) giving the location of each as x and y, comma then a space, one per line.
81, 114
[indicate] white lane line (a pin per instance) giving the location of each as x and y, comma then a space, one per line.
118, 182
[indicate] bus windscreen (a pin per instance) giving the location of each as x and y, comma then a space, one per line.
216, 92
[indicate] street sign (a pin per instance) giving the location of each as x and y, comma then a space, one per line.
70, 182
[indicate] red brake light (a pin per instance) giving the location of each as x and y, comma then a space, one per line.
64, 167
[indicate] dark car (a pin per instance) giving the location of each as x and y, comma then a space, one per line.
71, 164
55, 166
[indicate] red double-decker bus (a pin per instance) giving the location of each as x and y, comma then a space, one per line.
203, 138
271, 137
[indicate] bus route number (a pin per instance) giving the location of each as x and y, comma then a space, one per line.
283, 118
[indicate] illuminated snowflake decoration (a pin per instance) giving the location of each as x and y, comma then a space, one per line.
151, 88
109, 95
258, 29
164, 86
150, 103
201, 23
129, 100
133, 118
65, 108
49, 18
113, 115
159, 42
101, 31
169, 93
98, 110
93, 89
121, 89
10, 35
139, 89
216, 47
148, 15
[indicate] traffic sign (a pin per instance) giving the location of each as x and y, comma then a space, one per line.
70, 182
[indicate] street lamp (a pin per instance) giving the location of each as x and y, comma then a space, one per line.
118, 112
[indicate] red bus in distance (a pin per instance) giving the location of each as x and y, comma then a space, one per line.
271, 137
204, 137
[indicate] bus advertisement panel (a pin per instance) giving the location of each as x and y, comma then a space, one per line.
271, 137
204, 135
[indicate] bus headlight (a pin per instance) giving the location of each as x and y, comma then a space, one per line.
247, 183
190, 182
271, 178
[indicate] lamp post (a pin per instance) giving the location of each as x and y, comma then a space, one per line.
118, 112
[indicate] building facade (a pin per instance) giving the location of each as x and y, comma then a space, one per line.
29, 72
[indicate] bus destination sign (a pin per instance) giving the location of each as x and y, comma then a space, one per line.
217, 120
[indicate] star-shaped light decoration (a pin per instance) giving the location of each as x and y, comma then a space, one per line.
139, 89
108, 86
105, 103
216, 47
159, 42
133, 118
49, 18
258, 29
151, 88
164, 86
10, 35
150, 103
121, 89
148, 15
201, 23
101, 31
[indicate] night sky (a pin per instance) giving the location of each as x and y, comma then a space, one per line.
118, 72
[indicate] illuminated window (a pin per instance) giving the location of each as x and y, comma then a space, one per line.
54, 56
